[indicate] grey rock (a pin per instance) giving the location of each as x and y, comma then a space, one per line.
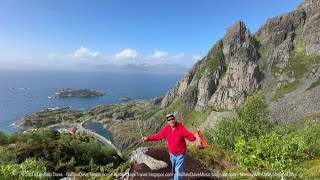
139, 156
311, 35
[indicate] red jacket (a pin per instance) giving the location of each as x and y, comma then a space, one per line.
176, 142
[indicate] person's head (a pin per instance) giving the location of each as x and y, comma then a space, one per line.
171, 120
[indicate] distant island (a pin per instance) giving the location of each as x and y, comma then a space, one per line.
125, 99
83, 93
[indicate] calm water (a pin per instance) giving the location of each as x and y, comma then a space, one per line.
98, 128
23, 93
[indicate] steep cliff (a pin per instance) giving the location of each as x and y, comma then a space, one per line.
278, 59
225, 76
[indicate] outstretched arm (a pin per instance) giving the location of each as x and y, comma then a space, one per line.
155, 137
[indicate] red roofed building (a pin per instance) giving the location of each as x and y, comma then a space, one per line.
72, 130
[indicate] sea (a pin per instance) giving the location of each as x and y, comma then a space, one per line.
24, 93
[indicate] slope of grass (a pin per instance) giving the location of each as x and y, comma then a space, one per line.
285, 90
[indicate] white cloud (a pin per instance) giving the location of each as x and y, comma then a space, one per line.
52, 56
178, 56
159, 54
196, 57
84, 58
85, 53
127, 53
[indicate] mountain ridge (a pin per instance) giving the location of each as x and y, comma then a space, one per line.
241, 63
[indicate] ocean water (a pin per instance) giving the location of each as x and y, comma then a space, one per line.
23, 93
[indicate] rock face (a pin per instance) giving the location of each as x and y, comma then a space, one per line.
224, 77
242, 63
278, 34
242, 77
311, 34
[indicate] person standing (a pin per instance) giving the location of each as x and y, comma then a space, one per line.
175, 134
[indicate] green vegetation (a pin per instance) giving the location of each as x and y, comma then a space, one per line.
268, 88
29, 169
216, 158
298, 32
263, 51
251, 122
309, 169
285, 90
252, 143
314, 84
46, 118
213, 62
127, 111
46, 151
188, 116
82, 118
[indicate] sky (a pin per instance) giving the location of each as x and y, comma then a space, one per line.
129, 35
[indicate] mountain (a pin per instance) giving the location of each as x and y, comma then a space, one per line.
284, 52
281, 62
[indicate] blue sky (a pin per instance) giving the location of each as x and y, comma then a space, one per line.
104, 34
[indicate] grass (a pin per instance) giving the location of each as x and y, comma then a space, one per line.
299, 62
309, 169
263, 51
189, 116
285, 90
212, 65
298, 32
213, 157
83, 118
314, 84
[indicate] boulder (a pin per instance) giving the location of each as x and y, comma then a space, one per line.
139, 156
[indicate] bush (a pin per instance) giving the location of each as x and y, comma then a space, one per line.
3, 138
251, 121
29, 169
6, 157
271, 151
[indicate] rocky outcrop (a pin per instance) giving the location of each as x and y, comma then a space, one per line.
311, 7
311, 34
241, 79
181, 86
207, 86
277, 35
242, 76
139, 156
233, 61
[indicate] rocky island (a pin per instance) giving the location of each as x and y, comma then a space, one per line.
86, 93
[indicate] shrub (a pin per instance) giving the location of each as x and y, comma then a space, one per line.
251, 121
271, 151
29, 169
6, 157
